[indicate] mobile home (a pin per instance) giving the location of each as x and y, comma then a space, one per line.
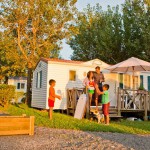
70, 74
21, 85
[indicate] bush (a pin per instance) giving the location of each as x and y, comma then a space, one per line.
23, 100
7, 93
19, 95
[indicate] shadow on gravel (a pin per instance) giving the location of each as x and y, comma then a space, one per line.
137, 142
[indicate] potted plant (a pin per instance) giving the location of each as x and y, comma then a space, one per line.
141, 90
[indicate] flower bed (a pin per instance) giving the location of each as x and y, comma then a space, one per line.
11, 125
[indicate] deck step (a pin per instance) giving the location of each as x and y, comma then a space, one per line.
114, 116
110, 111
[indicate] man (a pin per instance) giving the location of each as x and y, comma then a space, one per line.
98, 79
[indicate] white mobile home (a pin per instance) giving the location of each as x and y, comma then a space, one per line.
70, 74
20, 83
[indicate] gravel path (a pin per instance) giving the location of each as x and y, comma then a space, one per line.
60, 139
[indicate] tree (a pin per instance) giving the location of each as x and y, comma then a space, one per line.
34, 29
111, 35
9, 68
136, 24
147, 2
100, 35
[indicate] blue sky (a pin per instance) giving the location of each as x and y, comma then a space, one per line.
67, 51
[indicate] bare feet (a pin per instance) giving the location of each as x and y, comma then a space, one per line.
107, 124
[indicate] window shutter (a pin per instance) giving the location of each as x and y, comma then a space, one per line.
40, 79
148, 83
18, 85
141, 80
121, 80
37, 80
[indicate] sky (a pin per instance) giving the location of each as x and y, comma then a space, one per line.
66, 52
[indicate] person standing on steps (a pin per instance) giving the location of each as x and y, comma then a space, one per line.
90, 85
105, 101
98, 79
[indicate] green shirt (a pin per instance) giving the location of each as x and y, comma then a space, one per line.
105, 97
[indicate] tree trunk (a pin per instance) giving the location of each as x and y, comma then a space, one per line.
29, 93
6, 80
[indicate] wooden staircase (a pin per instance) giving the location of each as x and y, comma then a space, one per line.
113, 112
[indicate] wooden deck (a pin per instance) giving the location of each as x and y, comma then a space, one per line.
133, 101
128, 101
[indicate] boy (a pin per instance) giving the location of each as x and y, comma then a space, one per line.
52, 96
105, 101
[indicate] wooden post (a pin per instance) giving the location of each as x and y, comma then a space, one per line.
67, 101
31, 132
74, 100
145, 106
123, 96
149, 100
140, 99
119, 101
87, 107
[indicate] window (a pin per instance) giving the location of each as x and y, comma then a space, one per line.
72, 75
22, 85
39, 80
18, 85
127, 81
136, 83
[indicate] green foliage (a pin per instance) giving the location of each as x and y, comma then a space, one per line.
136, 25
112, 35
19, 95
7, 93
62, 121
141, 87
147, 2
34, 29
31, 30
9, 68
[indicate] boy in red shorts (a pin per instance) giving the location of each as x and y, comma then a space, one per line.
105, 102
52, 96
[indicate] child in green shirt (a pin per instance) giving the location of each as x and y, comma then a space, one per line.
105, 102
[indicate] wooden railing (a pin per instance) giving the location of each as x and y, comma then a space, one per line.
136, 100
72, 98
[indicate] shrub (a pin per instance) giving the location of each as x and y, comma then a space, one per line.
7, 93
23, 100
19, 95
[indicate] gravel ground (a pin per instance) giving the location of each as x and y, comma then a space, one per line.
60, 139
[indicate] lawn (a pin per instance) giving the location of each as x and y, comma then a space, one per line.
62, 121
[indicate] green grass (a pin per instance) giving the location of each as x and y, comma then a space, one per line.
62, 121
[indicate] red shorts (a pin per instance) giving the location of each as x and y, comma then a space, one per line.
50, 103
106, 109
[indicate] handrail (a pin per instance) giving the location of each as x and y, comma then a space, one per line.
128, 99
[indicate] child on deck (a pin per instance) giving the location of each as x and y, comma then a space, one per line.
90, 85
52, 96
105, 101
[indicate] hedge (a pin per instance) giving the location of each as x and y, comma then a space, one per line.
7, 93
